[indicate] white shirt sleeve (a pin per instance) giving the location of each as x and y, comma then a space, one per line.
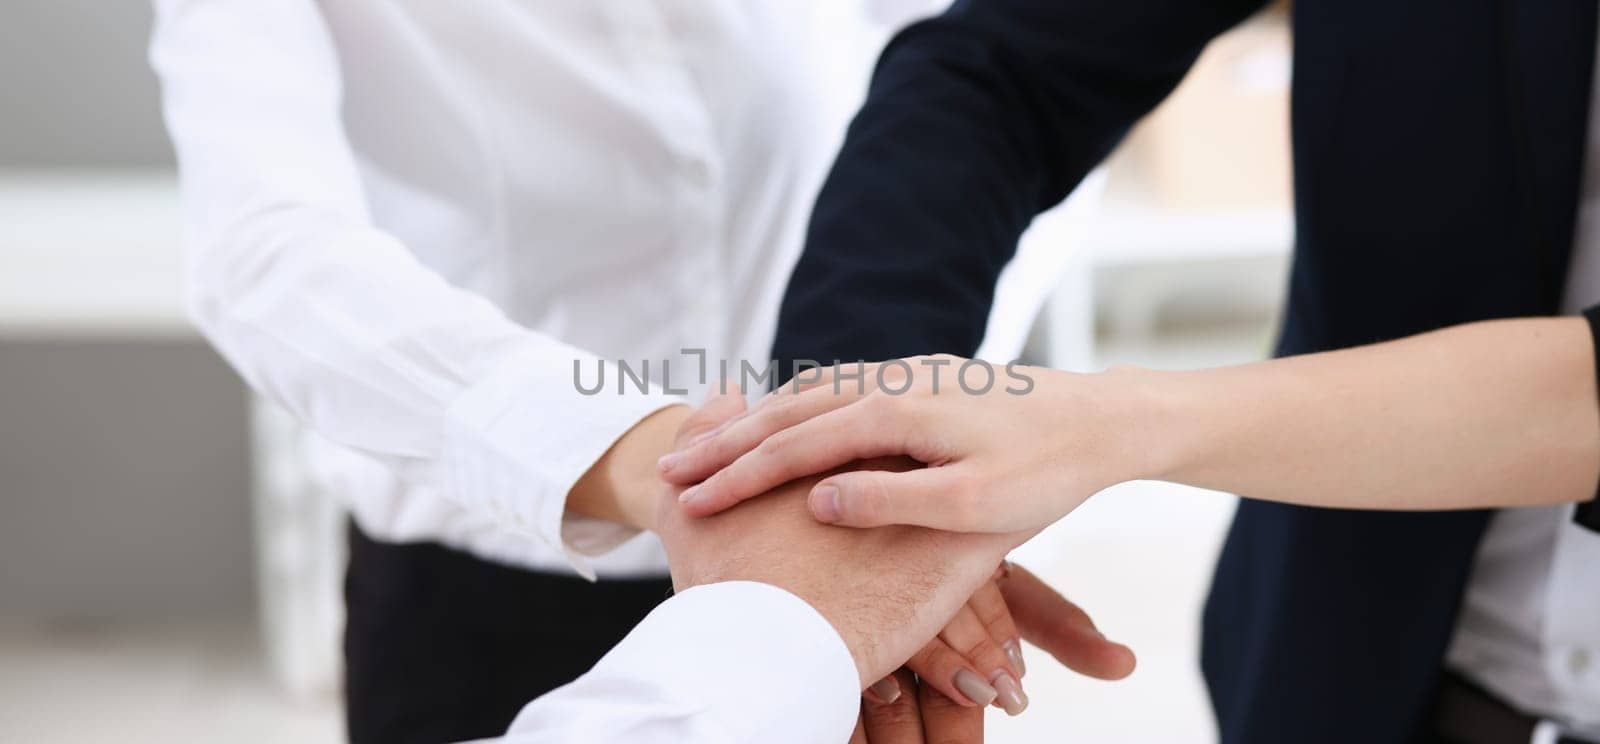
727, 663
336, 320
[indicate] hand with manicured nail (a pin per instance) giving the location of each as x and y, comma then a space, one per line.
888, 591
977, 657
988, 668
921, 715
921, 712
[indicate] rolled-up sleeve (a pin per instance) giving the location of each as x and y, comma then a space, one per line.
335, 319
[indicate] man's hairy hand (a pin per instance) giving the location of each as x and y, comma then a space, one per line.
887, 591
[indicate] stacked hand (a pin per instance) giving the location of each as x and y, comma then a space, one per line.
927, 599
969, 442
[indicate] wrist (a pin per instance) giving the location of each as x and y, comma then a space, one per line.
1174, 429
624, 484
1142, 419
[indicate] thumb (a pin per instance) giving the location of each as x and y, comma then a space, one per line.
719, 409
871, 498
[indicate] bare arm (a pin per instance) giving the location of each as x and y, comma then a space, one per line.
1498, 413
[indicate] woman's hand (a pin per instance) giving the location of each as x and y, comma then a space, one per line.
921, 715
919, 710
977, 659
1015, 454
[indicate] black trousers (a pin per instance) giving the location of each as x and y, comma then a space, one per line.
441, 646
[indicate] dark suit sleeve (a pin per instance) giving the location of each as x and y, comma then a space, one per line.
976, 120
1588, 512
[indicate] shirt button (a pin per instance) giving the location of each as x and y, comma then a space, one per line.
1578, 661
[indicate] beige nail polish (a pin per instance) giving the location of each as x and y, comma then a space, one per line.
974, 687
886, 689
1011, 696
1014, 653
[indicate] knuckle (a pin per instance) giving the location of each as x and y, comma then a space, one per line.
772, 406
984, 654
872, 501
772, 398
776, 444
714, 450
991, 613
882, 405
935, 699
888, 427
901, 712
787, 414
921, 662
712, 461
965, 505
963, 487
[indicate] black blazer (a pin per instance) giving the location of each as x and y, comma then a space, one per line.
1437, 147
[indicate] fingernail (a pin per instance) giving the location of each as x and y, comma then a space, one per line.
1012, 698
973, 686
669, 461
688, 494
1014, 653
886, 689
825, 503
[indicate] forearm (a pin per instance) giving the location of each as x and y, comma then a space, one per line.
1500, 413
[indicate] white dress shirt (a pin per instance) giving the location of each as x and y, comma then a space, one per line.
407, 222
729, 663
1529, 628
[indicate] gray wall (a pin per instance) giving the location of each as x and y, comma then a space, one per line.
75, 88
124, 464
124, 481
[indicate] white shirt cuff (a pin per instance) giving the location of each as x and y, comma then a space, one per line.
746, 660
518, 440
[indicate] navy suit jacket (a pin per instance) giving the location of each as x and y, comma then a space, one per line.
1437, 149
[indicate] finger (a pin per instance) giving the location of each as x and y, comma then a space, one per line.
830, 440
859, 735
814, 377
717, 409
1049, 621
945, 721
990, 607
726, 443
936, 497
885, 690
944, 668
970, 637
898, 722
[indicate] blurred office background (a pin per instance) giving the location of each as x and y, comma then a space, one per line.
168, 573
